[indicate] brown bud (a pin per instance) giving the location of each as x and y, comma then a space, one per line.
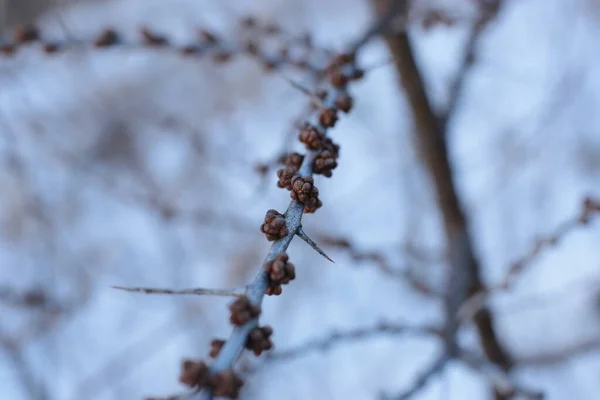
50, 48
242, 311
207, 36
274, 226
194, 373
25, 34
227, 384
8, 48
285, 176
152, 39
344, 102
215, 347
338, 79
294, 160
328, 117
311, 136
108, 37
259, 340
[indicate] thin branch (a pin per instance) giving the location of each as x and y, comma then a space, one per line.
237, 292
207, 44
397, 9
469, 309
498, 377
302, 235
327, 342
488, 12
381, 262
422, 379
558, 356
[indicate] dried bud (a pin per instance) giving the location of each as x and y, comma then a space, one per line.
194, 374
338, 79
208, 37
259, 340
304, 191
280, 271
324, 162
274, 226
311, 136
227, 384
242, 311
285, 176
215, 347
8, 48
328, 117
344, 102
107, 38
222, 56
50, 48
27, 34
152, 39
294, 160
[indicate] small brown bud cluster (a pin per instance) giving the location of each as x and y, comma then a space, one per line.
285, 176
259, 340
294, 160
344, 102
274, 226
280, 272
107, 38
215, 347
26, 34
196, 374
311, 136
151, 38
304, 191
590, 206
328, 117
325, 161
242, 311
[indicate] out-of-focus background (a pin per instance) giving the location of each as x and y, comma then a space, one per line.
137, 167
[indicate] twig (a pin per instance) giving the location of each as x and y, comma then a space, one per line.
489, 10
424, 377
560, 355
325, 343
498, 377
381, 263
470, 308
198, 291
